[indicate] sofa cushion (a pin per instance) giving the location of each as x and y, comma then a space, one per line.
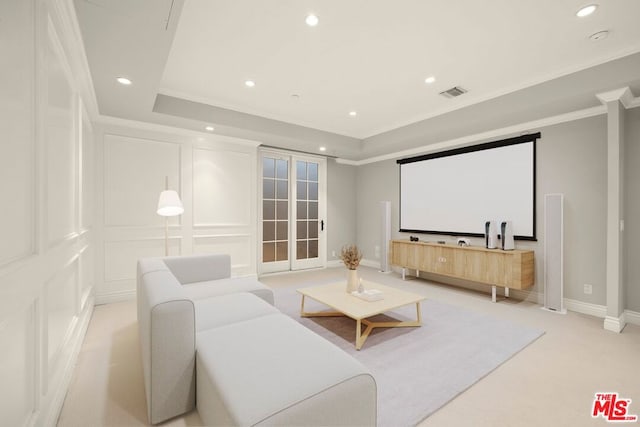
212, 288
223, 310
273, 370
199, 268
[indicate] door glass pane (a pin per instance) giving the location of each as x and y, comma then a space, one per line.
282, 169
301, 249
301, 229
301, 208
282, 211
301, 170
268, 231
282, 191
313, 249
313, 210
282, 230
313, 191
268, 167
269, 188
313, 229
301, 190
312, 171
269, 210
268, 252
282, 251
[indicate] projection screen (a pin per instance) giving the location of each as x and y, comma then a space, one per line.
455, 192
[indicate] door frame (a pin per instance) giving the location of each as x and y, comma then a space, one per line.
290, 264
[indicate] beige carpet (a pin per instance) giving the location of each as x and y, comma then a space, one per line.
452, 350
550, 382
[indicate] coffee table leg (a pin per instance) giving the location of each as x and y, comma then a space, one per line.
358, 333
419, 315
302, 306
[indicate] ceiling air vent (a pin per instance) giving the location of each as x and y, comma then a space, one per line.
453, 92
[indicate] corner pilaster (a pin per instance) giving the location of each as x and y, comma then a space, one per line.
615, 101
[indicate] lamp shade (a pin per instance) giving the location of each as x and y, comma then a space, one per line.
169, 204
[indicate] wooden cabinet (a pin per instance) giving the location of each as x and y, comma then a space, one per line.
508, 269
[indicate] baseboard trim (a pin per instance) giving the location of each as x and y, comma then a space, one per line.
632, 317
595, 310
370, 263
50, 411
334, 263
615, 324
115, 297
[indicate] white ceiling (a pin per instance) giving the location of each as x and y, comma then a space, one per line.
372, 56
520, 61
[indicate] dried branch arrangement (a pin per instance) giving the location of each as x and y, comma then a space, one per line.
351, 256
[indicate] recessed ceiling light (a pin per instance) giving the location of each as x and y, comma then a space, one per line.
323, 148
599, 35
353, 113
586, 11
430, 80
311, 20
209, 128
250, 83
124, 81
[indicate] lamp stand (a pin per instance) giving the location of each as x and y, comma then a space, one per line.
166, 236
166, 222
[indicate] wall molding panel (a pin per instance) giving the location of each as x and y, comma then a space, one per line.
47, 269
215, 177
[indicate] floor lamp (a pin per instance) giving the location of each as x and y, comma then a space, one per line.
169, 204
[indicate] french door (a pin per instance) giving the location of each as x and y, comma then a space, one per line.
292, 212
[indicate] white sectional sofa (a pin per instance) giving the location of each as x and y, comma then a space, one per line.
218, 343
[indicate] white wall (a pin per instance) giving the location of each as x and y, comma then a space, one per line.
215, 177
632, 209
46, 224
341, 208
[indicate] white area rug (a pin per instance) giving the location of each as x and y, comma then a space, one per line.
418, 370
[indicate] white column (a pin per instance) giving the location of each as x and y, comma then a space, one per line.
615, 101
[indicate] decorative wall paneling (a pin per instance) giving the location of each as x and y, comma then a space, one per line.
46, 250
216, 180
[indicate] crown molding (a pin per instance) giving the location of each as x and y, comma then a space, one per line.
624, 95
468, 139
154, 127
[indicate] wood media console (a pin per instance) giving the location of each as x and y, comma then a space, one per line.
508, 269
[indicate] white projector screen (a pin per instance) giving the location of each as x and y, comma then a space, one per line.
455, 192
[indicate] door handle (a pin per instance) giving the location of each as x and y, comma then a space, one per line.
322, 225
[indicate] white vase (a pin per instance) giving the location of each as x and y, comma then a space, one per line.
352, 280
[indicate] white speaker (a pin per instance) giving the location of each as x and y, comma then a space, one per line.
506, 233
385, 235
553, 252
490, 235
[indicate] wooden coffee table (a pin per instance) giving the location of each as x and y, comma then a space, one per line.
335, 296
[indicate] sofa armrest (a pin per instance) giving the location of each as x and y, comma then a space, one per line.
199, 268
166, 322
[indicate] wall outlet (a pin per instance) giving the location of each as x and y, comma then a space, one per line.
588, 289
